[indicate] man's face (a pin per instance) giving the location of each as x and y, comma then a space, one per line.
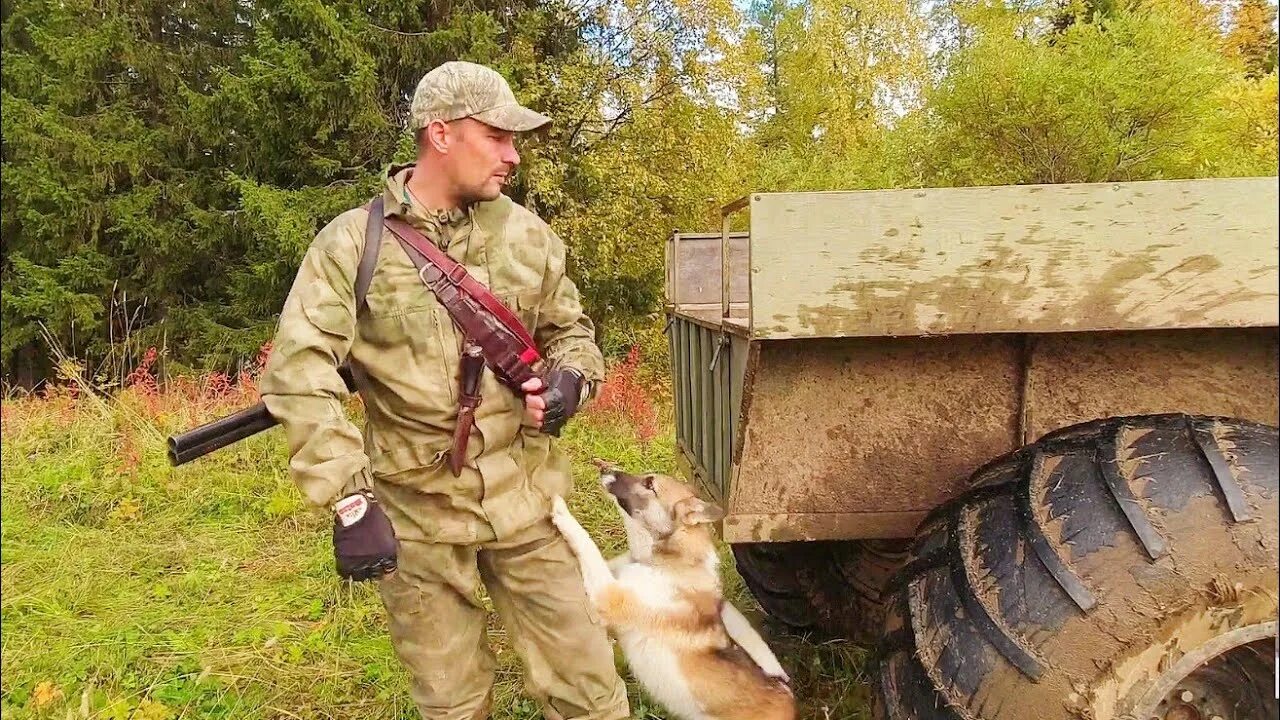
479, 159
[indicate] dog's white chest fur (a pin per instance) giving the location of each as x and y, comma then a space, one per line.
652, 660
658, 670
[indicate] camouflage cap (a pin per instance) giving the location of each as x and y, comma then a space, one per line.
458, 89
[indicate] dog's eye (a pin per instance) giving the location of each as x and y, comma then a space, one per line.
648, 483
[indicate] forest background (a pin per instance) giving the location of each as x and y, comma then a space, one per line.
165, 164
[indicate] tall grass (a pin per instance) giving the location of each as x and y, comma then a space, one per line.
132, 590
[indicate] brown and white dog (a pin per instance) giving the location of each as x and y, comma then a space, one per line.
691, 649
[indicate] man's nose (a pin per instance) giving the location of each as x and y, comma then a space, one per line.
510, 155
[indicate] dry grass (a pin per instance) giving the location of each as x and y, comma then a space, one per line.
137, 591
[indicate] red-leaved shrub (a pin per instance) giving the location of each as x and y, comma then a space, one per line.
624, 398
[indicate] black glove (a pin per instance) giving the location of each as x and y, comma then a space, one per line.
364, 545
564, 389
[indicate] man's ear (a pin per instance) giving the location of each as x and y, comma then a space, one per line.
695, 511
436, 134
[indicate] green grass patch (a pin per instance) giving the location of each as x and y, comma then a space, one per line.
136, 591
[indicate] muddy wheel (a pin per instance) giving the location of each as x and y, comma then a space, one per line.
828, 589
1119, 569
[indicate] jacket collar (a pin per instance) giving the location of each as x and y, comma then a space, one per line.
397, 200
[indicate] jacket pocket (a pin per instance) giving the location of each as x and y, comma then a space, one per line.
397, 290
326, 311
421, 468
525, 306
422, 456
412, 348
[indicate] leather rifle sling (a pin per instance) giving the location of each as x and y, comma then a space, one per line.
364, 277
507, 345
369, 258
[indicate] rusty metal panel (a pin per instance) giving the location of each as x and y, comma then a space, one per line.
790, 527
1031, 258
864, 425
1078, 377
859, 437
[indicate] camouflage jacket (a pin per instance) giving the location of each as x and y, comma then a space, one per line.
409, 349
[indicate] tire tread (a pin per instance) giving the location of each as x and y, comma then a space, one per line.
967, 604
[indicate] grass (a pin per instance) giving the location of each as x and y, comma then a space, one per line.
136, 591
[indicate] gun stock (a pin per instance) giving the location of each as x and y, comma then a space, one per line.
200, 441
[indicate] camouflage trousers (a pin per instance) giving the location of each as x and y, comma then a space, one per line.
438, 627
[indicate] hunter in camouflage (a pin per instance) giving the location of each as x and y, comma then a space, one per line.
489, 525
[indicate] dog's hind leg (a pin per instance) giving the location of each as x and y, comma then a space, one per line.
741, 632
595, 570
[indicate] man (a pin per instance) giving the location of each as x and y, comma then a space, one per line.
490, 523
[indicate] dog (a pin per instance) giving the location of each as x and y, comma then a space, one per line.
692, 651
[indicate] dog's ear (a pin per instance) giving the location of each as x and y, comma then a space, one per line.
694, 511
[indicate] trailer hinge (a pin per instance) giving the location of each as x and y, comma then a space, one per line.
720, 345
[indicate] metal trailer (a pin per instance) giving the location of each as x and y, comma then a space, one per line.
1022, 439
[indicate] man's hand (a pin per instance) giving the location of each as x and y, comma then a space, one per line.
550, 407
535, 405
364, 544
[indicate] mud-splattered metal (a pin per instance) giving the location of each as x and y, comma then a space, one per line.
843, 364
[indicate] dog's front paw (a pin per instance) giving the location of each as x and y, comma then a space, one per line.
782, 679
775, 672
560, 512
770, 665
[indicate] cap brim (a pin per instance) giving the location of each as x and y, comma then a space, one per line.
515, 118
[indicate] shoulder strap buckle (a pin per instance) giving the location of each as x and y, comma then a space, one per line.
456, 274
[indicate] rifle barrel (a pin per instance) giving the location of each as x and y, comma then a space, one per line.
202, 440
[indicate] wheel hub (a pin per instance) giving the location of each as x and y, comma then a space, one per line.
1233, 684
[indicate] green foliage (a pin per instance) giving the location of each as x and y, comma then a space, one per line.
644, 148
184, 155
1141, 93
839, 73
164, 166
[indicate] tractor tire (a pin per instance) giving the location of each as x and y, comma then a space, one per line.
823, 589
1118, 569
